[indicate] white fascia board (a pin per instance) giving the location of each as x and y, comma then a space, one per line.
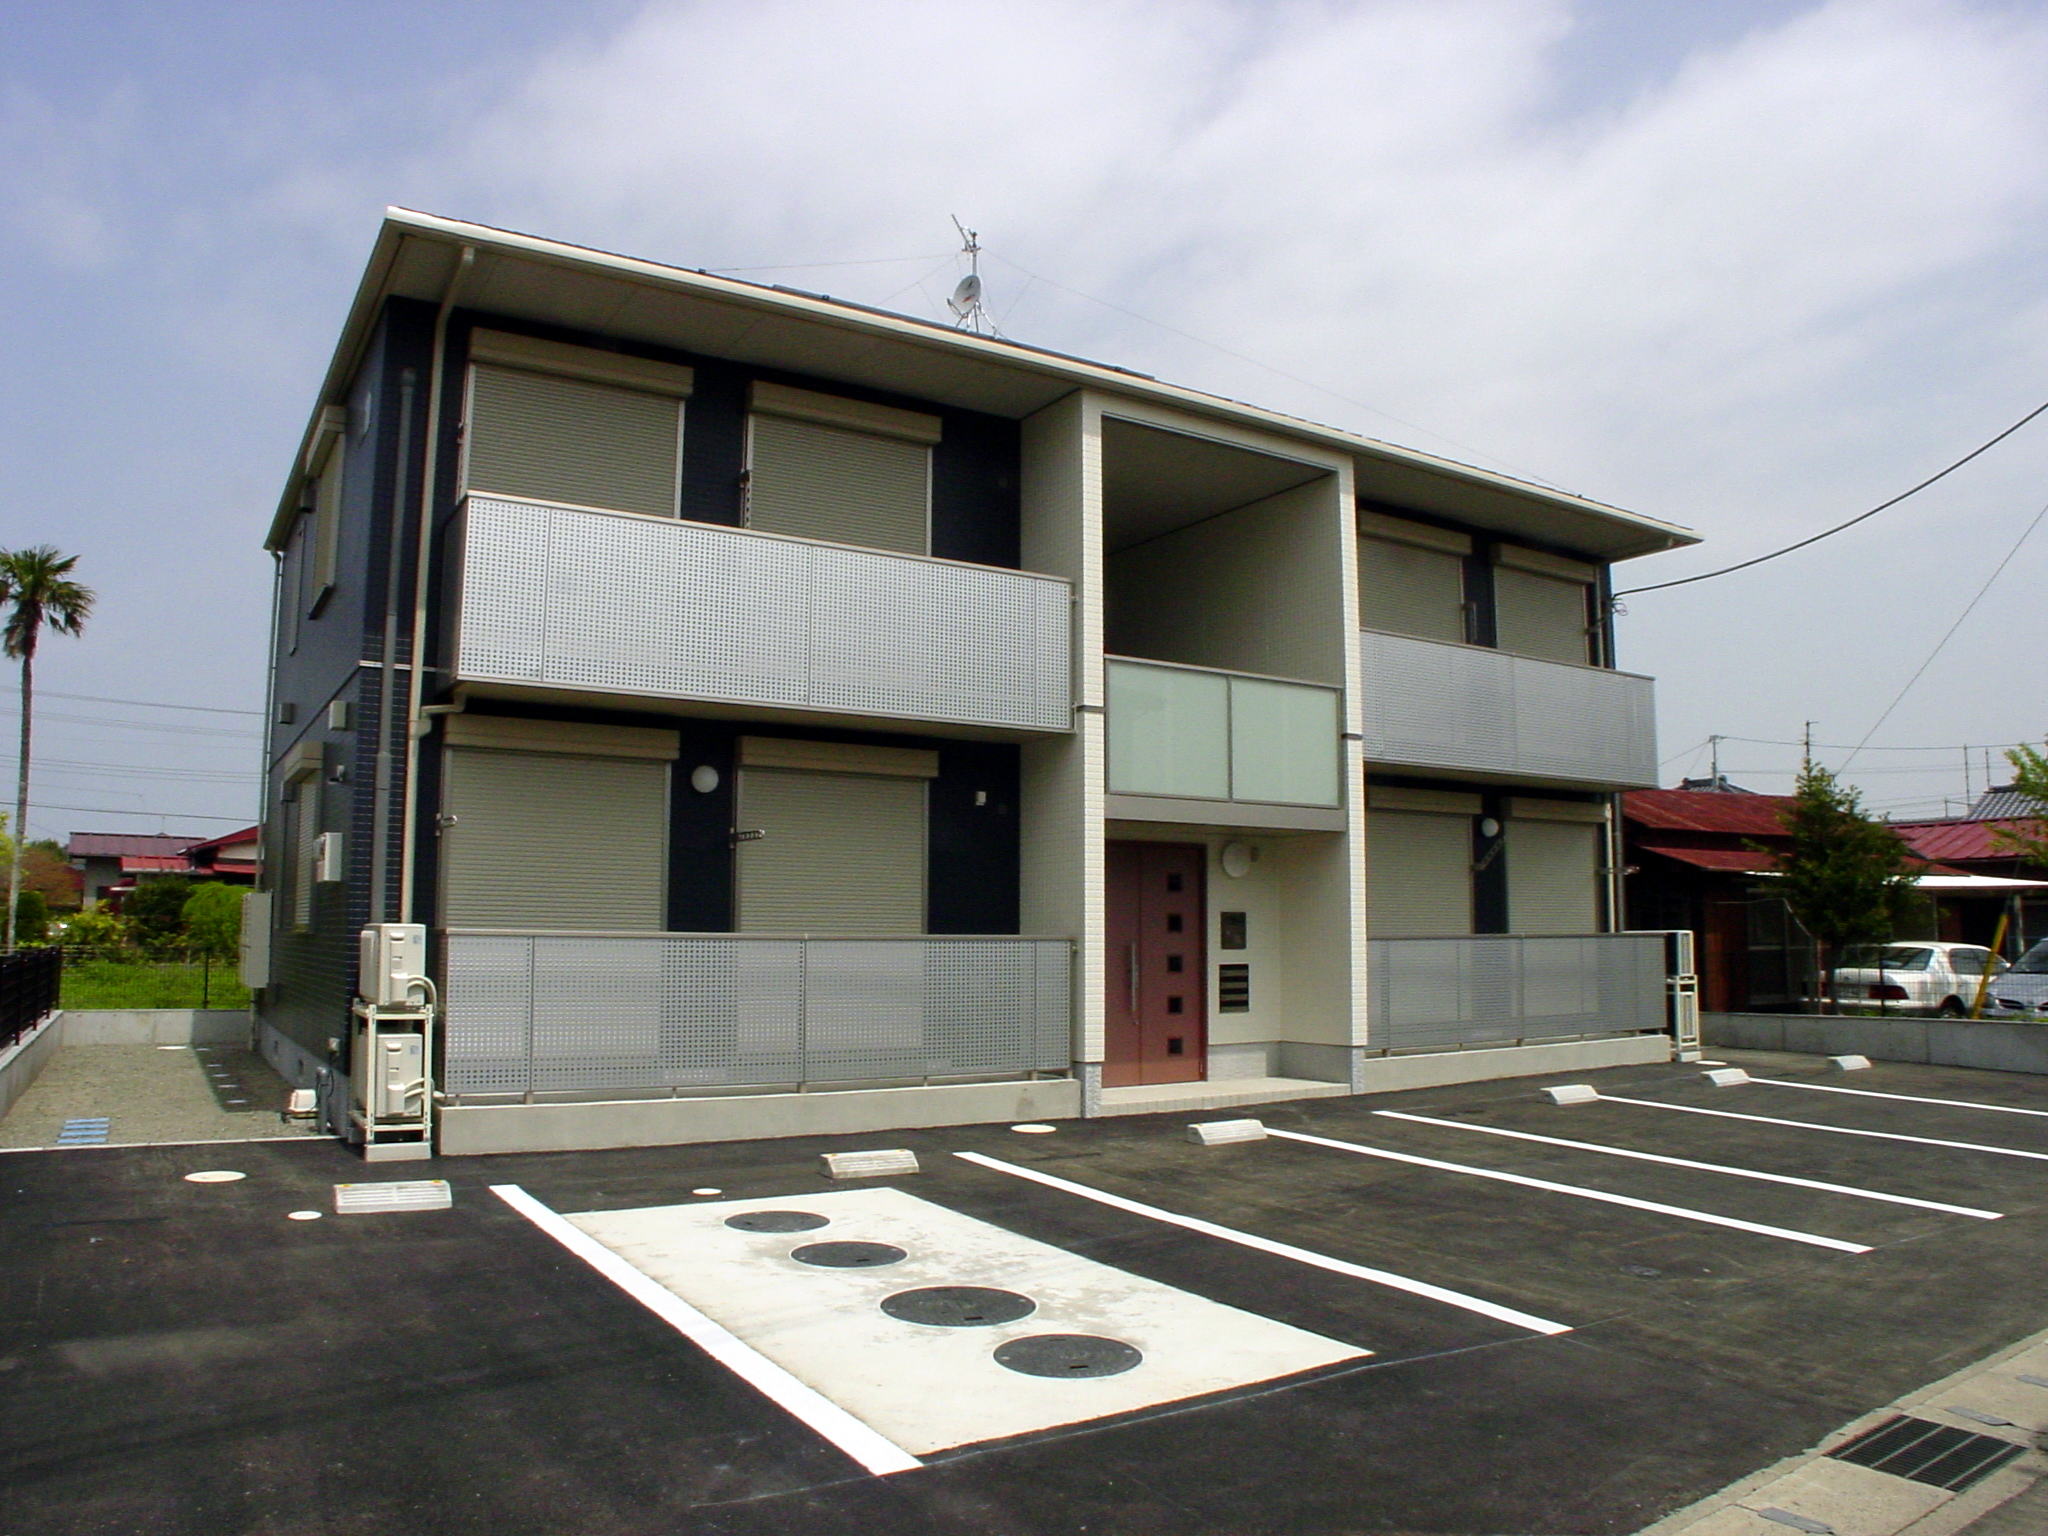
1653, 535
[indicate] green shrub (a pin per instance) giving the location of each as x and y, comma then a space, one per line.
31, 918
155, 911
96, 927
213, 919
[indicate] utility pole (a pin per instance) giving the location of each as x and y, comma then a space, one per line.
1806, 746
1714, 744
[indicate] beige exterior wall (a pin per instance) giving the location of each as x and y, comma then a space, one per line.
1060, 798
1272, 588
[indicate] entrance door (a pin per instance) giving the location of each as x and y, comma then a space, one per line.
1158, 979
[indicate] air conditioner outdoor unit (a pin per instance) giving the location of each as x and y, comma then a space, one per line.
391, 968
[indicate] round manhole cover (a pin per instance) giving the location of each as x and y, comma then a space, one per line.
777, 1221
1068, 1355
849, 1255
958, 1306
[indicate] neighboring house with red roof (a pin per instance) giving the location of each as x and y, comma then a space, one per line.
1978, 843
1700, 858
111, 863
1690, 864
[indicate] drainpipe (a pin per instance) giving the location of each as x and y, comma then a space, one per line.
266, 855
429, 465
387, 689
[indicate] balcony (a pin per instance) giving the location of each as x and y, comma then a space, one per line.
1467, 709
595, 1015
1192, 744
568, 599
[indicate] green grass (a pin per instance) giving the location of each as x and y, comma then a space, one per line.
151, 984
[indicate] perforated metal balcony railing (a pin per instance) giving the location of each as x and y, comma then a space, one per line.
1500, 989
618, 603
1429, 704
593, 1014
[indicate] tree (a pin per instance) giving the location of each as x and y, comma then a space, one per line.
1845, 877
155, 911
37, 582
213, 919
2030, 778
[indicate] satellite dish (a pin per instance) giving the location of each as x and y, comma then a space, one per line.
966, 295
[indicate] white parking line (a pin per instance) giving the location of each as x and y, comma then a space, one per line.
874, 1451
1832, 1130
1788, 1234
1335, 1266
1904, 1098
1687, 1162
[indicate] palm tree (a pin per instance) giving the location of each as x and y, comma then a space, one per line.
38, 583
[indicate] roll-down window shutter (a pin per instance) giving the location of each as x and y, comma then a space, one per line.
838, 853
1408, 590
1545, 616
553, 438
1553, 877
554, 840
822, 467
1418, 874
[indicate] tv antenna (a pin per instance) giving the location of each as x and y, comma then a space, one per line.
969, 314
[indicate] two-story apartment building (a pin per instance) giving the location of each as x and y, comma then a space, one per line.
789, 716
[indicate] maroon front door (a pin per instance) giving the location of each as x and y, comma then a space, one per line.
1158, 987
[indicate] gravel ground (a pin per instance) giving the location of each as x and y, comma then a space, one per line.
153, 1094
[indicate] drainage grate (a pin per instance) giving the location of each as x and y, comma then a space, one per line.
849, 1255
958, 1306
393, 1195
84, 1131
1927, 1453
777, 1221
1068, 1355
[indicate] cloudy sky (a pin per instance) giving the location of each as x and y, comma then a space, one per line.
1751, 267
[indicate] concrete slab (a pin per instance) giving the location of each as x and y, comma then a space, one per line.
1854, 1501
928, 1388
150, 1093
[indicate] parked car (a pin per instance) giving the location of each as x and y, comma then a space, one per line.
1916, 978
2023, 990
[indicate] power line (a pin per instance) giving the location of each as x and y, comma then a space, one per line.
1843, 746
1726, 570
101, 810
66, 765
1996, 572
136, 725
199, 709
813, 266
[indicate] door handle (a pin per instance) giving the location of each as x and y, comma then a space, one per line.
1131, 969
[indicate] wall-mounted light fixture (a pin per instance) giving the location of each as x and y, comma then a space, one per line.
704, 778
1488, 827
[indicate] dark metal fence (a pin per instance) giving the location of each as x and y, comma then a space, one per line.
29, 983
99, 977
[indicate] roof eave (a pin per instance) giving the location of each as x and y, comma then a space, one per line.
1638, 534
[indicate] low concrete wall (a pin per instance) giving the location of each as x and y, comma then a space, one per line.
1439, 1069
472, 1128
23, 1062
1927, 1042
156, 1026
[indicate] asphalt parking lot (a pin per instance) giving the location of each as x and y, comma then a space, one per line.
1453, 1330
